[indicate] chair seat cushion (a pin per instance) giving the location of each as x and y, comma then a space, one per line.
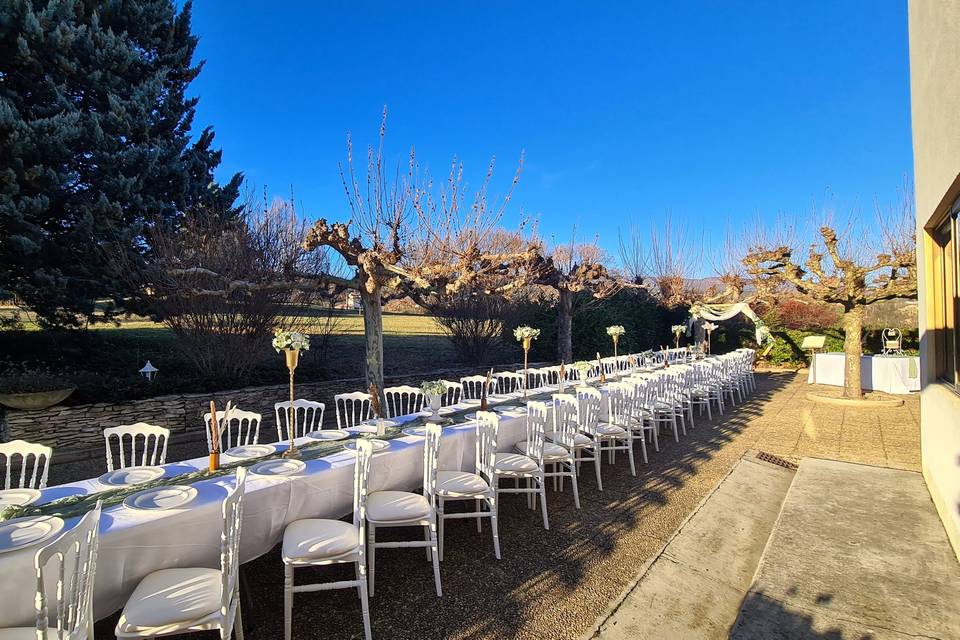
579, 439
171, 599
513, 463
460, 483
316, 539
551, 451
397, 506
610, 430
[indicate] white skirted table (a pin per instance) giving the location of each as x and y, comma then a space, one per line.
134, 543
889, 373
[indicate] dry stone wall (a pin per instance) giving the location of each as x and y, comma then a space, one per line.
75, 432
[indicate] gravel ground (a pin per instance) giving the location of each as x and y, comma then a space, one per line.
553, 584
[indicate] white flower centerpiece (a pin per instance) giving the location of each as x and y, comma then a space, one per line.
525, 336
583, 367
709, 327
615, 331
434, 391
291, 343
678, 329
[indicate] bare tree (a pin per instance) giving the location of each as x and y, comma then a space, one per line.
666, 266
838, 270
407, 238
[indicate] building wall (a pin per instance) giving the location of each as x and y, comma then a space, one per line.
935, 96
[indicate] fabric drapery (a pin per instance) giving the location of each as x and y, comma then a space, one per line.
720, 312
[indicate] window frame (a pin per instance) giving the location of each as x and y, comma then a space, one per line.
945, 237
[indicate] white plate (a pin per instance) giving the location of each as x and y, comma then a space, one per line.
250, 451
18, 497
509, 409
130, 476
281, 467
26, 532
161, 498
470, 417
417, 432
445, 411
328, 434
378, 445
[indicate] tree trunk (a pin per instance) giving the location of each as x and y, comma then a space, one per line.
852, 350
372, 305
565, 326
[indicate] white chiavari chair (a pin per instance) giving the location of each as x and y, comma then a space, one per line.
614, 434
473, 387
33, 461
408, 509
509, 382
187, 600
634, 414
352, 408
455, 485
566, 441
526, 466
403, 400
318, 542
152, 441
72, 560
453, 394
238, 428
307, 417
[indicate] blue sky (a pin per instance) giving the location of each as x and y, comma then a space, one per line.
715, 113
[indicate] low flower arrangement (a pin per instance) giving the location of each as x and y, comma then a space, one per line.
433, 388
290, 341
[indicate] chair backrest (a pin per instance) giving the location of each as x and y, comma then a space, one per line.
534, 378
361, 474
589, 402
403, 400
152, 441
473, 386
537, 417
488, 425
34, 461
232, 511
551, 374
238, 428
307, 417
453, 394
508, 382
621, 400
565, 418
352, 408
431, 454
609, 365
72, 559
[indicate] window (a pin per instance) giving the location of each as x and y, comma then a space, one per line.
943, 324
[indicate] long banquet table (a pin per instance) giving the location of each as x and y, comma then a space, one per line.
135, 543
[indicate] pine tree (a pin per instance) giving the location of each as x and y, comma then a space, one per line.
95, 144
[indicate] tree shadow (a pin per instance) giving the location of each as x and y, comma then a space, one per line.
765, 618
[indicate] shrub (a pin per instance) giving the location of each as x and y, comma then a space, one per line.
24, 379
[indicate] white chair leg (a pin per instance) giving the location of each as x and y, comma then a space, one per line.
287, 601
440, 520
372, 556
576, 492
426, 538
543, 501
596, 464
479, 519
436, 557
633, 466
237, 624
364, 601
493, 525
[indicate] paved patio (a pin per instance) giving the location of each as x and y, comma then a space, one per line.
554, 584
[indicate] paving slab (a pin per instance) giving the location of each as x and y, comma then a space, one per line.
858, 552
695, 587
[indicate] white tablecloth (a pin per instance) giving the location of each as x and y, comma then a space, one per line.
135, 543
892, 374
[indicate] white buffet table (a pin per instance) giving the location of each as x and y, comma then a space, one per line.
135, 543
892, 374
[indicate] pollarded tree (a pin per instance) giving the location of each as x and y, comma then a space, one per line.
839, 272
95, 144
403, 239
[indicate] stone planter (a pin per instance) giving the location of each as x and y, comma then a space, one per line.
35, 401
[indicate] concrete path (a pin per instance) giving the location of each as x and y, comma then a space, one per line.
858, 552
696, 585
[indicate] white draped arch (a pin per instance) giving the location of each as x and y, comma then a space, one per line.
720, 312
